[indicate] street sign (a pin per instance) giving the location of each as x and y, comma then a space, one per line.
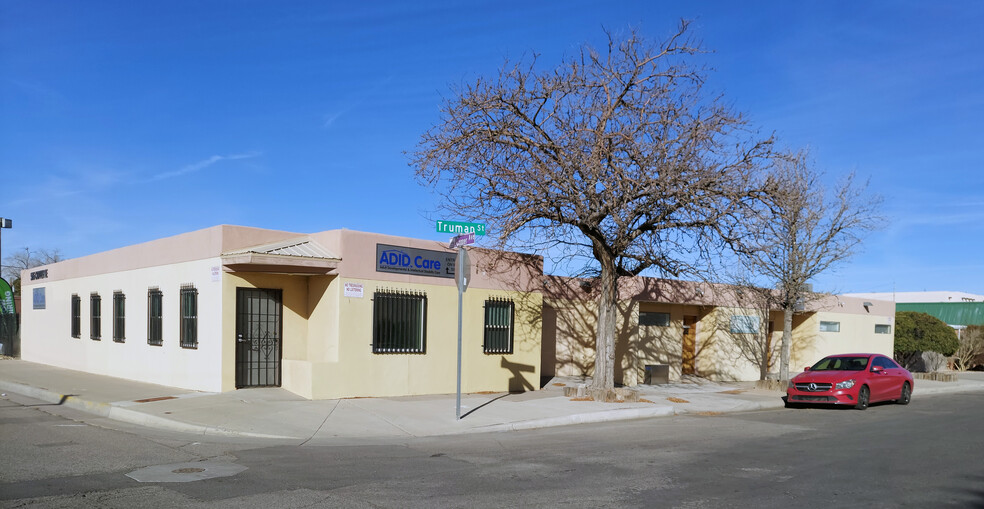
462, 270
461, 240
458, 228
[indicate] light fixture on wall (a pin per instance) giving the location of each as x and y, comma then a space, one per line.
867, 305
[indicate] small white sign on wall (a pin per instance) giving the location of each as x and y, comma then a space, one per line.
354, 290
216, 273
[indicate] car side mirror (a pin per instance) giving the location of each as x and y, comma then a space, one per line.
877, 369
806, 368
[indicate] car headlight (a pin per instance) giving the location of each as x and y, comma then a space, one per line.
846, 384
791, 384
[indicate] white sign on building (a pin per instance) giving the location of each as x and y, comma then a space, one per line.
354, 290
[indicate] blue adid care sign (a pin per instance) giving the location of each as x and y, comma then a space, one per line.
419, 262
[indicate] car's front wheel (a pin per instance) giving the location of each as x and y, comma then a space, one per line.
864, 395
906, 396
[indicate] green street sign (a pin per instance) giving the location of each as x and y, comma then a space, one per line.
459, 228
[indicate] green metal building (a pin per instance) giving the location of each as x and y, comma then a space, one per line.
953, 313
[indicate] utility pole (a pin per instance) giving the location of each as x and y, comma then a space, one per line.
4, 223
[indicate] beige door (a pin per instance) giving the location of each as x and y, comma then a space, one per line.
689, 345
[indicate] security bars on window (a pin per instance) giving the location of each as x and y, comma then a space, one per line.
499, 314
189, 317
155, 307
399, 322
76, 316
95, 317
119, 317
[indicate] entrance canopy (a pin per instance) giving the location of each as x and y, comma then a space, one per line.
298, 256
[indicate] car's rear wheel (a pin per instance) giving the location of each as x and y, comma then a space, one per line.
864, 395
906, 396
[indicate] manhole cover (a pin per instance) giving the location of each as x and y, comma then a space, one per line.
186, 472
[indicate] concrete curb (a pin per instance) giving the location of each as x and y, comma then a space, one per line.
123, 411
746, 406
126, 415
955, 388
588, 418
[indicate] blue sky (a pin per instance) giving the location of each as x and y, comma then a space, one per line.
122, 122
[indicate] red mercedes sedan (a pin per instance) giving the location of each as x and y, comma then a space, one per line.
851, 379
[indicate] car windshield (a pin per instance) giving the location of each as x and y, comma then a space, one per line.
841, 364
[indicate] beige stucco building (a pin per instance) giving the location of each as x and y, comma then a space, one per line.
711, 330
333, 314
342, 313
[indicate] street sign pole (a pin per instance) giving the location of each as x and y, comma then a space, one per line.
462, 271
457, 407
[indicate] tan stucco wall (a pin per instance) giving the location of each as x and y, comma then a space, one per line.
569, 337
329, 353
650, 344
327, 340
348, 368
294, 318
46, 333
857, 335
572, 326
572, 336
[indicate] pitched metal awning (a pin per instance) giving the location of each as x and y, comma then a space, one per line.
299, 255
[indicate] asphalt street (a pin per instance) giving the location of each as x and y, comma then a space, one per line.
926, 454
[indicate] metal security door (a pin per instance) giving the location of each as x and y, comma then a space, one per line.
259, 321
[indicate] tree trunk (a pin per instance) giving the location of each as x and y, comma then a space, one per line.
604, 368
787, 340
766, 353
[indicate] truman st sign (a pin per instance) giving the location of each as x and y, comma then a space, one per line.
459, 228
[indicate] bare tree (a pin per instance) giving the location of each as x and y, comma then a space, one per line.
804, 232
616, 158
756, 347
971, 349
27, 259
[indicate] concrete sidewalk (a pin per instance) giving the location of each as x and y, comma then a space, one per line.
278, 414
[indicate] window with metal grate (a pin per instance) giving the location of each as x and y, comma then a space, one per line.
119, 317
399, 321
499, 315
155, 309
95, 316
189, 317
76, 316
